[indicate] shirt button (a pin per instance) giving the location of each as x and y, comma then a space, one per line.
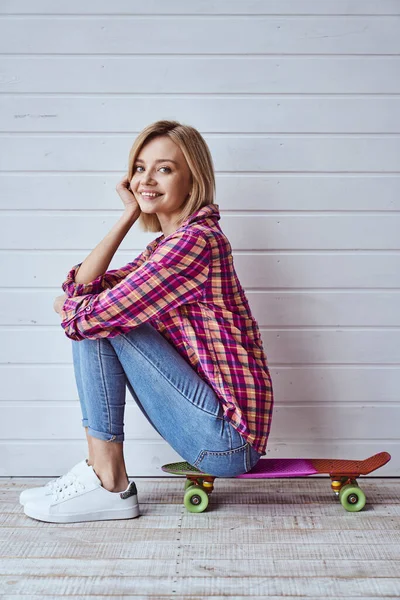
88, 308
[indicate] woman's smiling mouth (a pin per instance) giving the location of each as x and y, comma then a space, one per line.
150, 195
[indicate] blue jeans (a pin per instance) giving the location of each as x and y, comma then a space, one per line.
178, 403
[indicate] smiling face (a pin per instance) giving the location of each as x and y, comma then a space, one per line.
161, 168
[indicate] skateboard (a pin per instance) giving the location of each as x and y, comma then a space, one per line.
343, 475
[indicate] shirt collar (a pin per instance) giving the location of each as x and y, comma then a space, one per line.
208, 214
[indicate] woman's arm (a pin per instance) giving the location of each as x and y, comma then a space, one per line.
93, 268
97, 262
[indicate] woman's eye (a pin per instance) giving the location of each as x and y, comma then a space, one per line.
140, 167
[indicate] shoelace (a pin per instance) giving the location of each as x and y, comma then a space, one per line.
60, 482
73, 487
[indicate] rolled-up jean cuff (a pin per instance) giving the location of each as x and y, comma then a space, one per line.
101, 435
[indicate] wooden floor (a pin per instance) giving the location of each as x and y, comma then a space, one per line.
266, 539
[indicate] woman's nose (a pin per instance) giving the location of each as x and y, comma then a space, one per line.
147, 177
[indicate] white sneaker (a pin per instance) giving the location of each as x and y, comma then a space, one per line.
33, 494
84, 499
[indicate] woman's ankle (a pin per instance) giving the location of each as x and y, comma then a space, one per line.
112, 482
107, 461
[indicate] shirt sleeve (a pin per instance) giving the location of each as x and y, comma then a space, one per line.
175, 274
106, 281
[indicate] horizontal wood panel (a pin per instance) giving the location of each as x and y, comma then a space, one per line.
271, 309
47, 231
293, 385
215, 587
283, 347
290, 423
200, 35
154, 7
280, 114
215, 535
275, 269
73, 567
60, 546
191, 75
144, 458
301, 192
260, 154
203, 587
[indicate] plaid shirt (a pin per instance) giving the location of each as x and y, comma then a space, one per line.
185, 285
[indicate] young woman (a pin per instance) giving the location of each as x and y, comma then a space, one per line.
174, 326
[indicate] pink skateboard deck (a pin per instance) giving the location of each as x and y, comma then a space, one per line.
302, 467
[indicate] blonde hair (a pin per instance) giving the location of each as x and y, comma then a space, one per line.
198, 158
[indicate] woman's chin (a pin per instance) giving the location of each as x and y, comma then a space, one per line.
146, 208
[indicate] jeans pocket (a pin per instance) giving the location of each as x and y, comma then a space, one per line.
253, 456
240, 458
228, 463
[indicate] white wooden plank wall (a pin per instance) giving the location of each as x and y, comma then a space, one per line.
299, 103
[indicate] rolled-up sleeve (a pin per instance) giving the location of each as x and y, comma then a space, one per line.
106, 281
175, 274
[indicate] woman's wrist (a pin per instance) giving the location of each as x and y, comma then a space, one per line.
131, 214
59, 303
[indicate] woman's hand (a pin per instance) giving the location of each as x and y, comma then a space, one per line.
124, 192
58, 303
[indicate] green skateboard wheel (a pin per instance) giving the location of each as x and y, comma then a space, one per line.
352, 498
195, 499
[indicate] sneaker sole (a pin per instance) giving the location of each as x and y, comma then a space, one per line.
105, 515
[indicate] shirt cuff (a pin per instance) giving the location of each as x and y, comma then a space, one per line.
72, 289
71, 310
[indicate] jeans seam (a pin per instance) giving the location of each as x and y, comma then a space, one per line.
247, 458
104, 387
169, 381
230, 434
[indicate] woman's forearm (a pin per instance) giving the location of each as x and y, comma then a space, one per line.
97, 262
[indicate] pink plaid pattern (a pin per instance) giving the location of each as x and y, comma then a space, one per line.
185, 285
